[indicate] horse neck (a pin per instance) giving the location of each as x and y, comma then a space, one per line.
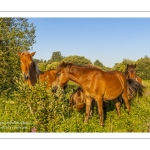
78, 74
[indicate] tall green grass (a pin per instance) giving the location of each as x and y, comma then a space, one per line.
29, 108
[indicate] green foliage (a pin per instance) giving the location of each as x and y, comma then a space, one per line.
38, 61
101, 66
16, 34
56, 57
143, 68
42, 66
35, 107
122, 66
25, 108
80, 60
53, 65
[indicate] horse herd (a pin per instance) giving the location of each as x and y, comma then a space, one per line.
95, 85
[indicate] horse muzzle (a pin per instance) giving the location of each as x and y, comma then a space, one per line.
26, 77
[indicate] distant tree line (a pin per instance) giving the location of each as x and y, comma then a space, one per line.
16, 34
57, 58
142, 67
142, 64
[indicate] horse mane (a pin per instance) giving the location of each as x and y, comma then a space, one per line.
64, 64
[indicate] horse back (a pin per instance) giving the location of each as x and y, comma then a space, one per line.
114, 83
114, 78
48, 77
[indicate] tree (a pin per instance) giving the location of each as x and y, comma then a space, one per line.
56, 56
143, 68
16, 34
42, 66
99, 64
37, 60
122, 66
52, 65
80, 60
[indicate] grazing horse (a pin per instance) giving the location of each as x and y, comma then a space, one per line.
32, 73
130, 72
96, 84
77, 98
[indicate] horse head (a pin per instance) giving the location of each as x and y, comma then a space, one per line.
26, 63
130, 71
62, 76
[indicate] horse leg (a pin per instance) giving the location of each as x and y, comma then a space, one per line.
105, 106
100, 111
118, 105
125, 98
88, 108
92, 107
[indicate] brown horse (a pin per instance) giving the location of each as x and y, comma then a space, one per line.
130, 72
32, 73
96, 84
77, 98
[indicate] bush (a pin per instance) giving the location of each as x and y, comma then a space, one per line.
29, 108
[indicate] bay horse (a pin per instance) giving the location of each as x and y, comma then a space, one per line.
77, 99
32, 73
130, 72
96, 84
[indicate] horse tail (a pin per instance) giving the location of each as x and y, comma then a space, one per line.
134, 88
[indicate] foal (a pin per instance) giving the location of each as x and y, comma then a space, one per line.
77, 99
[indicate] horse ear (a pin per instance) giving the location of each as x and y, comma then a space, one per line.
63, 64
19, 54
32, 54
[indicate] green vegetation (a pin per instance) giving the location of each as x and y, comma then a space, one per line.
16, 34
35, 107
23, 108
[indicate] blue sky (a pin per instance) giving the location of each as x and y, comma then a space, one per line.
110, 40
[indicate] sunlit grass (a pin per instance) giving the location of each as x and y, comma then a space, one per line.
29, 108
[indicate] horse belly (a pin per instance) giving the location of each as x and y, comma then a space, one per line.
112, 94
